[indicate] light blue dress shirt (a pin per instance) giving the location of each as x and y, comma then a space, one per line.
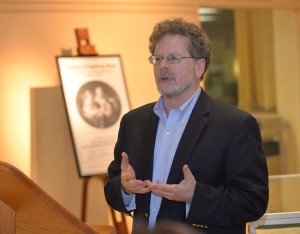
169, 132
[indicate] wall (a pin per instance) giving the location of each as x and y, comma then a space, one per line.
34, 32
287, 72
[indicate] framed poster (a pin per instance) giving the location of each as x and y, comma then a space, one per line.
96, 98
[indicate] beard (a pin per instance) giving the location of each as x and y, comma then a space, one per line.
173, 91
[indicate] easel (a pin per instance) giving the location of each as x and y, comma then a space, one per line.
121, 225
87, 49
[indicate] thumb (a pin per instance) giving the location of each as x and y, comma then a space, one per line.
187, 172
125, 162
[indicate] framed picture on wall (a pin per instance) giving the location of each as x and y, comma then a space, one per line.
96, 98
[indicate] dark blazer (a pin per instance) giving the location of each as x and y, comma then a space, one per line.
223, 148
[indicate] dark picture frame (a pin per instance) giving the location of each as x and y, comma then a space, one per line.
96, 98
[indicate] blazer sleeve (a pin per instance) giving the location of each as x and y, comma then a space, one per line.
112, 188
136, 137
243, 197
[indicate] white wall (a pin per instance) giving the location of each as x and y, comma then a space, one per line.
32, 35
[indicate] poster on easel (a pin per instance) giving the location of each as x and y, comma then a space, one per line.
96, 98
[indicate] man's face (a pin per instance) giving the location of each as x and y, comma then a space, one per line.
174, 80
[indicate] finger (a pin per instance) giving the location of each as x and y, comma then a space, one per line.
162, 188
144, 190
138, 186
163, 193
125, 162
148, 183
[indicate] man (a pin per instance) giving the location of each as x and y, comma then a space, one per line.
187, 157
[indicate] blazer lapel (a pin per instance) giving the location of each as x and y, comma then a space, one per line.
190, 136
148, 134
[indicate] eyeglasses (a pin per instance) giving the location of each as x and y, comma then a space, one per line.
171, 59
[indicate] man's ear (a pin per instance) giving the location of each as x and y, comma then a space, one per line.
200, 68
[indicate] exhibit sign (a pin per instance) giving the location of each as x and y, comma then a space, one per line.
96, 98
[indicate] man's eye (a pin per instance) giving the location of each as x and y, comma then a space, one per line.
172, 58
158, 59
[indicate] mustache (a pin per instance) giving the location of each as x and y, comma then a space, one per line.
164, 72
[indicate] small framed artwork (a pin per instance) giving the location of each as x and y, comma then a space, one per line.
96, 98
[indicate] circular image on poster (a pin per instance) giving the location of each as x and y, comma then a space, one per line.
98, 104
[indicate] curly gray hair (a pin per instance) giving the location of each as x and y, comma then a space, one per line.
199, 43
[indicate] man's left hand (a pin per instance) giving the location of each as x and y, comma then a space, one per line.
182, 192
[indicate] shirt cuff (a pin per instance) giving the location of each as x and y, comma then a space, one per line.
129, 200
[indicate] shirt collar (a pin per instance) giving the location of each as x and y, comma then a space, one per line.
159, 109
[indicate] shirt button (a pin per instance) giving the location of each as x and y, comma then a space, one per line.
168, 133
153, 209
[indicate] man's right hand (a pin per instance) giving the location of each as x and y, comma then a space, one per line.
129, 182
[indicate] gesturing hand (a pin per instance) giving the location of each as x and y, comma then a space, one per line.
182, 192
129, 182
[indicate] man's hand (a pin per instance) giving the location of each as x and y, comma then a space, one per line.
182, 192
129, 182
